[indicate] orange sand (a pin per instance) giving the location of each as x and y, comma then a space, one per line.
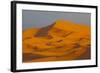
65, 40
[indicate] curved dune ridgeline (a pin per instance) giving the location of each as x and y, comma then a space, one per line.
63, 40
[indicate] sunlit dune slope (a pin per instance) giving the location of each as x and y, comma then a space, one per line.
62, 40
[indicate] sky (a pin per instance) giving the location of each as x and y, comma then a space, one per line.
38, 19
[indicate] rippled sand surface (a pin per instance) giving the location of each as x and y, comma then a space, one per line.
60, 41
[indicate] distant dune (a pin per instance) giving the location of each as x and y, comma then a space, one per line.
60, 41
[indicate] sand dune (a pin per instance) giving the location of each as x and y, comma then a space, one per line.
62, 40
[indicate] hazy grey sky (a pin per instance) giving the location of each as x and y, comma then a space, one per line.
33, 18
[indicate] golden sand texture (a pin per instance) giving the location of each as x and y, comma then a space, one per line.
63, 40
